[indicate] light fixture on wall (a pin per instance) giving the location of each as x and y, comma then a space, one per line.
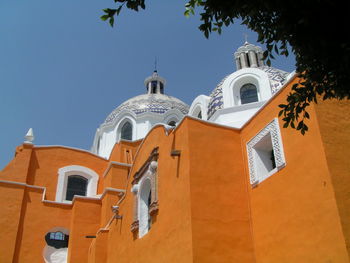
115, 210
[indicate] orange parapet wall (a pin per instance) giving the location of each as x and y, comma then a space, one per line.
334, 123
294, 212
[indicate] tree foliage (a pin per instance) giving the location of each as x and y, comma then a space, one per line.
315, 30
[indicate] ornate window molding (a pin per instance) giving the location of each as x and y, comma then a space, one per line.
145, 180
62, 182
265, 153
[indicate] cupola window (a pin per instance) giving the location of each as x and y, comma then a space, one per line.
76, 185
248, 93
154, 86
126, 131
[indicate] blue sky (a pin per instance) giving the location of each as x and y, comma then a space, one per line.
63, 70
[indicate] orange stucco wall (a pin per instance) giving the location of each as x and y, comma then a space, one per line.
294, 212
334, 123
171, 230
46, 162
116, 176
85, 222
38, 219
27, 218
17, 169
124, 151
221, 230
208, 211
11, 206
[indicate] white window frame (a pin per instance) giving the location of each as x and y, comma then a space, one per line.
120, 126
141, 213
143, 209
62, 181
273, 130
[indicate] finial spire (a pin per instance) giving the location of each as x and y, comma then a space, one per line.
245, 38
155, 64
29, 137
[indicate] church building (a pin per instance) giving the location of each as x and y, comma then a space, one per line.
219, 180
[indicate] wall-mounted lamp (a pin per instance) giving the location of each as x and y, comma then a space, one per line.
115, 210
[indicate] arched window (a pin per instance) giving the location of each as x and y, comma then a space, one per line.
172, 123
76, 185
144, 207
126, 131
248, 93
199, 115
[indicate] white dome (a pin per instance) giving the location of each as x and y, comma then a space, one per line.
151, 103
134, 118
276, 78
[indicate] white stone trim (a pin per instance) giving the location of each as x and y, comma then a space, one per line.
85, 172
97, 197
273, 129
120, 125
200, 103
233, 83
143, 210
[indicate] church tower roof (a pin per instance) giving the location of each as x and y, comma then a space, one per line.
248, 56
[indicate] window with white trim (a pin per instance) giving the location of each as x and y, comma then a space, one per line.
144, 187
126, 131
144, 201
265, 153
75, 180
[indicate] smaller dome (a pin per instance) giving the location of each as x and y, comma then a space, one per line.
276, 77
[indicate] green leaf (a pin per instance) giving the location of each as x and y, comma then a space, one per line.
104, 17
111, 21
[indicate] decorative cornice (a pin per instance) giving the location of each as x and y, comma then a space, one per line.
153, 157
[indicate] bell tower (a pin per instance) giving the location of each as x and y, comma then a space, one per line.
248, 56
155, 83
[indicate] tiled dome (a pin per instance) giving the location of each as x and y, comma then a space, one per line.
152, 103
276, 77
